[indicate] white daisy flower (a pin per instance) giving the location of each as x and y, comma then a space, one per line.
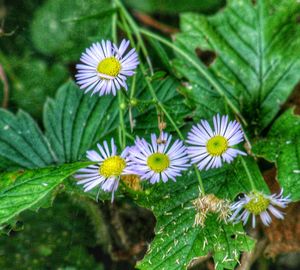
105, 68
259, 204
158, 160
107, 172
211, 147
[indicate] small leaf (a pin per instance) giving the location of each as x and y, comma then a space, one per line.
282, 146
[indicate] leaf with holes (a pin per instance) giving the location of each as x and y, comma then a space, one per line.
177, 241
22, 190
256, 46
282, 146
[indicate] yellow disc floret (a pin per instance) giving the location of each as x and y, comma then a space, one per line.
158, 162
257, 204
217, 145
109, 66
112, 166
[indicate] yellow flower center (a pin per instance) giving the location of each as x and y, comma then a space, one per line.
158, 162
109, 66
112, 166
217, 145
257, 204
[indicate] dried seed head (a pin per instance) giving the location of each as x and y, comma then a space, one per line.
132, 181
205, 204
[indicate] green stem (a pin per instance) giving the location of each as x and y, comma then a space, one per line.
132, 88
122, 130
251, 181
136, 31
161, 106
158, 104
200, 67
199, 179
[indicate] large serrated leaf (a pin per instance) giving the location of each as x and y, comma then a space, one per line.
256, 46
74, 122
22, 190
282, 146
177, 241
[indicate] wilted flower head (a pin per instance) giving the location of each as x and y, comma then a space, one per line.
133, 181
105, 68
107, 172
210, 147
209, 203
259, 204
158, 160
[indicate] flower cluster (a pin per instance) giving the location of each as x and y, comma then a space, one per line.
104, 70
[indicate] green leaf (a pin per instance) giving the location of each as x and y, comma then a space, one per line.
282, 146
177, 241
256, 47
75, 122
199, 94
22, 143
54, 30
167, 91
22, 190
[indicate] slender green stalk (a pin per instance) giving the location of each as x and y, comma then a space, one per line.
136, 31
122, 130
132, 88
202, 70
199, 180
251, 181
158, 104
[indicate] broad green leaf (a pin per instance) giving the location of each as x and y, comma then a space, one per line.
22, 190
75, 122
177, 241
66, 27
22, 143
256, 45
282, 146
